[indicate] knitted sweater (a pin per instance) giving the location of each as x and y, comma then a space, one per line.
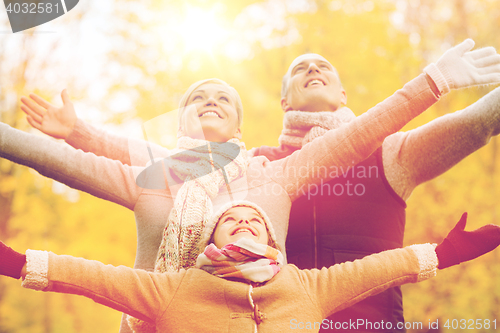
196, 301
271, 185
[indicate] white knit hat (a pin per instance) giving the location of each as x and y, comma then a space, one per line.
212, 223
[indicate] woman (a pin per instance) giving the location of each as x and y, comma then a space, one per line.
240, 283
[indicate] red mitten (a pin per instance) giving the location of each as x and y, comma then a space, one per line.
460, 245
11, 262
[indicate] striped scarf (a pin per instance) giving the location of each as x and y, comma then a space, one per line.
244, 259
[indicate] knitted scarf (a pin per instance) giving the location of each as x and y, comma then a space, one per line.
180, 245
193, 204
301, 127
244, 259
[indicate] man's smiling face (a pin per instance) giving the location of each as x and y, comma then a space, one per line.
313, 85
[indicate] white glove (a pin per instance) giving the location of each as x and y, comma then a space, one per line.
460, 68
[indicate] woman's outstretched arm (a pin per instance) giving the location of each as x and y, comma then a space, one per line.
62, 123
99, 176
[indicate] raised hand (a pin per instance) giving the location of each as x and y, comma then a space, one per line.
57, 122
460, 245
461, 68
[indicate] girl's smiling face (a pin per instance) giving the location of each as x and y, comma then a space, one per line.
240, 222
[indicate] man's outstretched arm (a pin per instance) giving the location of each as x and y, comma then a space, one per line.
414, 157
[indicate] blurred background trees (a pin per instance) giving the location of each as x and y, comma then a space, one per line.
126, 62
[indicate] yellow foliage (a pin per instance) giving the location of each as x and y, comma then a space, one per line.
376, 47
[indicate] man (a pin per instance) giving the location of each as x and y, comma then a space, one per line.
363, 211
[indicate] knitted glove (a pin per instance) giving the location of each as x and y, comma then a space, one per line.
11, 262
460, 68
460, 245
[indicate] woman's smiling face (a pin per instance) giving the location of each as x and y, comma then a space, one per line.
211, 114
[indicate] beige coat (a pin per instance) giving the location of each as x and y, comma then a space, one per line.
195, 301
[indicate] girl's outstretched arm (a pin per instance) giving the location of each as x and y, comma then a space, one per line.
142, 294
340, 286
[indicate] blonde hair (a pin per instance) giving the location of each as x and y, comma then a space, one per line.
232, 92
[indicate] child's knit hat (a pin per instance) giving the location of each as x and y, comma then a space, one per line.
214, 220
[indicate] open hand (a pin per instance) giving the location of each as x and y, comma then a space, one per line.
463, 68
57, 122
460, 245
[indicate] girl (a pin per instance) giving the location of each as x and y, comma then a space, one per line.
240, 283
